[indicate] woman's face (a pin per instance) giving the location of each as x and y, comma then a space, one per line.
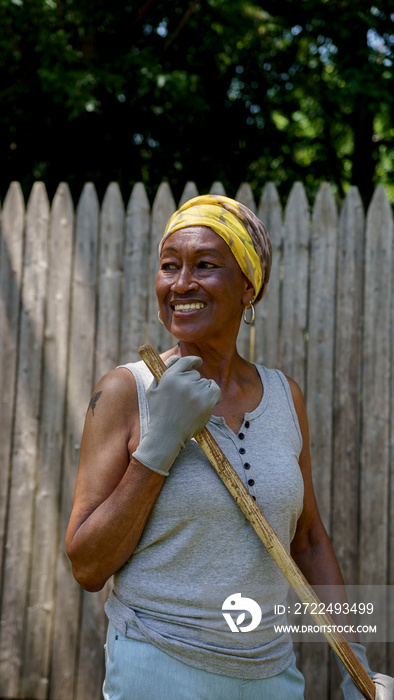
200, 287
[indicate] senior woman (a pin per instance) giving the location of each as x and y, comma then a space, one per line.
149, 508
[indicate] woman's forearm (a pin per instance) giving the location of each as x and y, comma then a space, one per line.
320, 567
100, 542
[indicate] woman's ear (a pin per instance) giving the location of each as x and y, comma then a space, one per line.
248, 293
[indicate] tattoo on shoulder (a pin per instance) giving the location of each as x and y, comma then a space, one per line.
93, 401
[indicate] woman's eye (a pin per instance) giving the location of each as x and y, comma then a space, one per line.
168, 266
206, 265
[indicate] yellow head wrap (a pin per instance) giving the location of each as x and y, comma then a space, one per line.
238, 226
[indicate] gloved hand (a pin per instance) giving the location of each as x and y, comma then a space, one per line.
384, 684
180, 405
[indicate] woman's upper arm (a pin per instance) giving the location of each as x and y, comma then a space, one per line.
110, 431
310, 528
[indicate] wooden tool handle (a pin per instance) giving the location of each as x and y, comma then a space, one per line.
273, 544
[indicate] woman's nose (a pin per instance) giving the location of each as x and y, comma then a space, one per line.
184, 281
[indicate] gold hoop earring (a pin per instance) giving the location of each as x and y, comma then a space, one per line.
160, 318
250, 320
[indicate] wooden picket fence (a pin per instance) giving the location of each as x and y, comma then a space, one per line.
77, 298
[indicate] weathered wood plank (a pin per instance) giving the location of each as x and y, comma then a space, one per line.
24, 452
245, 337
346, 437
289, 287
295, 285
267, 322
163, 207
93, 620
295, 262
347, 391
136, 269
80, 378
390, 667
374, 484
91, 667
11, 262
314, 661
39, 621
320, 369
109, 281
320, 381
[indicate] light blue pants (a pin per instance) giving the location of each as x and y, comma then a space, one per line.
140, 671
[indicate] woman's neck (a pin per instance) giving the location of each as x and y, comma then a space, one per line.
224, 364
238, 379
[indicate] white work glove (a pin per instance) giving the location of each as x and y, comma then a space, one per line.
384, 684
180, 405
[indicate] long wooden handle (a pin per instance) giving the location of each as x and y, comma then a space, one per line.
273, 544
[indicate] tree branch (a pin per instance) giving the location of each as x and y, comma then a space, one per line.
181, 24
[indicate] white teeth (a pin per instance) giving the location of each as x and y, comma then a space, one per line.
189, 307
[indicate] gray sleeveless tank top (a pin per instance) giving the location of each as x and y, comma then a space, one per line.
198, 556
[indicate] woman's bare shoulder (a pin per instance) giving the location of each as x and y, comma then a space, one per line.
117, 387
299, 405
113, 407
296, 392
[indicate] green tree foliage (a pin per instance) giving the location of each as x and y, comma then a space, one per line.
219, 89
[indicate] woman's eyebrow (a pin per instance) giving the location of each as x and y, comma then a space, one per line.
198, 251
209, 251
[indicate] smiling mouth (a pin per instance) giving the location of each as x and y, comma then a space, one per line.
189, 307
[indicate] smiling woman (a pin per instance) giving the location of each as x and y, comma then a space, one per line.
200, 287
150, 510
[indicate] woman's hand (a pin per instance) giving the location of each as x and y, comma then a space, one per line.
384, 684
179, 406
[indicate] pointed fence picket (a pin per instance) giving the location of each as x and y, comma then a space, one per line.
347, 385
189, 192
77, 298
295, 285
110, 281
17, 559
319, 382
267, 325
135, 261
162, 208
391, 469
11, 262
41, 601
375, 431
344, 516
321, 324
80, 380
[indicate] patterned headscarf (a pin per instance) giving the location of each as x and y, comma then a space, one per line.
238, 226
